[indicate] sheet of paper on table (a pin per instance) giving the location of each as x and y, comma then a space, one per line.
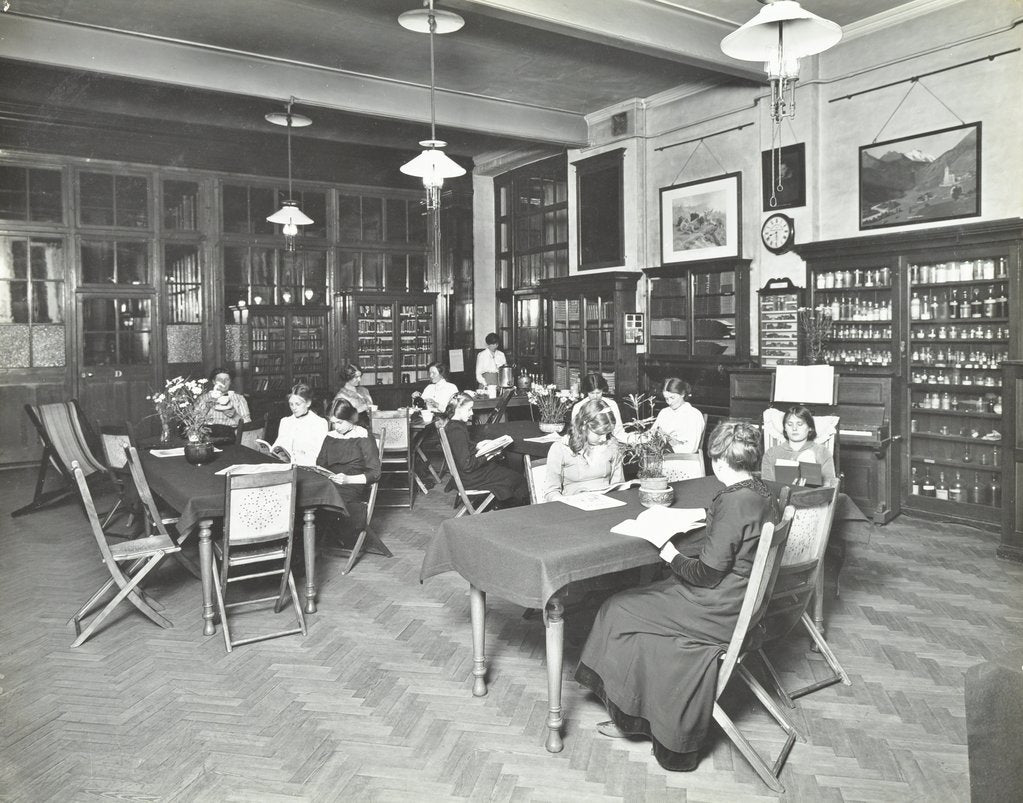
591, 500
658, 524
253, 468
550, 437
177, 451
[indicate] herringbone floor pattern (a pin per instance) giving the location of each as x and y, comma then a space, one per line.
375, 703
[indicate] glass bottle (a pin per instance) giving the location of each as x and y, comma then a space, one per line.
995, 492
914, 307
990, 303
976, 304
956, 493
914, 483
927, 487
953, 305
941, 489
967, 457
975, 493
994, 456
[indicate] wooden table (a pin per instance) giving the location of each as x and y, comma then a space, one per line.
520, 431
197, 494
527, 555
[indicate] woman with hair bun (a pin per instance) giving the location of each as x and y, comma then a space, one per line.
587, 458
680, 421
302, 432
594, 386
652, 655
355, 393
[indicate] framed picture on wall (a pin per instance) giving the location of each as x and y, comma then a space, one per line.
922, 178
701, 219
788, 188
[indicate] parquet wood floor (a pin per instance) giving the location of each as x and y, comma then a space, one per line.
375, 703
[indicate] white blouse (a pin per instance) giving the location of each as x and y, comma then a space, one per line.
683, 426
302, 437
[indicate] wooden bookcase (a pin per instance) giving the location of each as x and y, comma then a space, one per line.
288, 347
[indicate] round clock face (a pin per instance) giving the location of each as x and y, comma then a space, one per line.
778, 233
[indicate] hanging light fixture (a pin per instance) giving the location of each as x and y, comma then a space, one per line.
780, 35
289, 216
432, 165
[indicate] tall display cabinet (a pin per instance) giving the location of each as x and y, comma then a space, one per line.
938, 311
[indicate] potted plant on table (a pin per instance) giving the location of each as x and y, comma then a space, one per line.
187, 401
553, 405
645, 446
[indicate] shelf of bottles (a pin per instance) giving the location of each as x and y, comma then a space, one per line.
269, 352
415, 332
669, 325
959, 336
375, 327
860, 302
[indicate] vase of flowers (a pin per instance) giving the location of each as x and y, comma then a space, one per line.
553, 405
186, 401
645, 446
816, 326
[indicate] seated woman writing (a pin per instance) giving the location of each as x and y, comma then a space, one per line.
301, 434
594, 386
652, 655
479, 473
351, 453
680, 421
800, 445
587, 458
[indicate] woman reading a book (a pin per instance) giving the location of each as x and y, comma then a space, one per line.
594, 386
351, 454
800, 446
652, 655
586, 459
478, 471
301, 434
353, 391
680, 421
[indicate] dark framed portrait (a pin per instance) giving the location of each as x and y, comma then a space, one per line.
789, 177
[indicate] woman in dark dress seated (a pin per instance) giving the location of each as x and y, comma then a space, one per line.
351, 453
479, 473
652, 656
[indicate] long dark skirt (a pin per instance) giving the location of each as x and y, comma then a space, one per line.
652, 658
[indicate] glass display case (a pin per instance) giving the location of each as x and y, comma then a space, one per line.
393, 337
288, 348
778, 305
858, 293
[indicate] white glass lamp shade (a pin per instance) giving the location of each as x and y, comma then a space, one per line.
804, 34
433, 165
289, 215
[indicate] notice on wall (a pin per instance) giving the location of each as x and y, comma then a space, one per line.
455, 362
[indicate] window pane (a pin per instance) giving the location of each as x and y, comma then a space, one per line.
371, 270
349, 210
13, 189
47, 259
261, 205
45, 196
47, 302
262, 264
395, 277
314, 204
416, 273
97, 262
132, 263
348, 269
96, 197
132, 201
13, 302
372, 219
397, 220
236, 265
417, 219
98, 315
99, 348
134, 348
180, 205
236, 209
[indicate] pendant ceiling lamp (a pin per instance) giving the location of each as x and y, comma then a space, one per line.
432, 165
780, 35
289, 216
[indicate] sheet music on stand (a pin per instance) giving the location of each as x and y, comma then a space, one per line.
804, 384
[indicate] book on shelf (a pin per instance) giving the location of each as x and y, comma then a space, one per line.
658, 524
798, 472
493, 445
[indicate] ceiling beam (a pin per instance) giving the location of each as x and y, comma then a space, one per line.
642, 26
161, 60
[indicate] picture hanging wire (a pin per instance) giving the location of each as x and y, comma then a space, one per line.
701, 141
914, 83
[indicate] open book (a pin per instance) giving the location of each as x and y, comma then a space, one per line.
591, 500
252, 468
495, 445
274, 451
658, 524
319, 470
798, 472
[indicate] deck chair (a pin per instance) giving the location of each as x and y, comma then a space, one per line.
464, 498
536, 478
65, 436
754, 604
368, 540
398, 478
800, 582
259, 529
155, 519
114, 438
684, 466
247, 433
142, 554
499, 413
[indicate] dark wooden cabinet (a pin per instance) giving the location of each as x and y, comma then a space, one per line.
1011, 462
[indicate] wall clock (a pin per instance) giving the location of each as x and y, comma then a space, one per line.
778, 233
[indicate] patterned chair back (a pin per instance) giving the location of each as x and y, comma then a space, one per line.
260, 507
684, 466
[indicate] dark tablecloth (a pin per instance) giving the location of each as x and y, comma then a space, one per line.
526, 554
196, 492
519, 430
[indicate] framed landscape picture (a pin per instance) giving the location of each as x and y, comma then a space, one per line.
701, 219
922, 178
789, 172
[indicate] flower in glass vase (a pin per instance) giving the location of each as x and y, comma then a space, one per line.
187, 401
816, 325
552, 403
644, 445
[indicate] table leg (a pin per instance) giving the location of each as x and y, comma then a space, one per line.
309, 542
478, 616
555, 660
206, 574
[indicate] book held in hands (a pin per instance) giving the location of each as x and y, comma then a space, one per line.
798, 472
486, 447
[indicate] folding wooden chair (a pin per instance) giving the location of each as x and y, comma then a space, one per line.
800, 581
247, 433
754, 604
114, 438
398, 478
259, 528
368, 540
499, 413
65, 436
464, 496
143, 555
684, 466
536, 478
